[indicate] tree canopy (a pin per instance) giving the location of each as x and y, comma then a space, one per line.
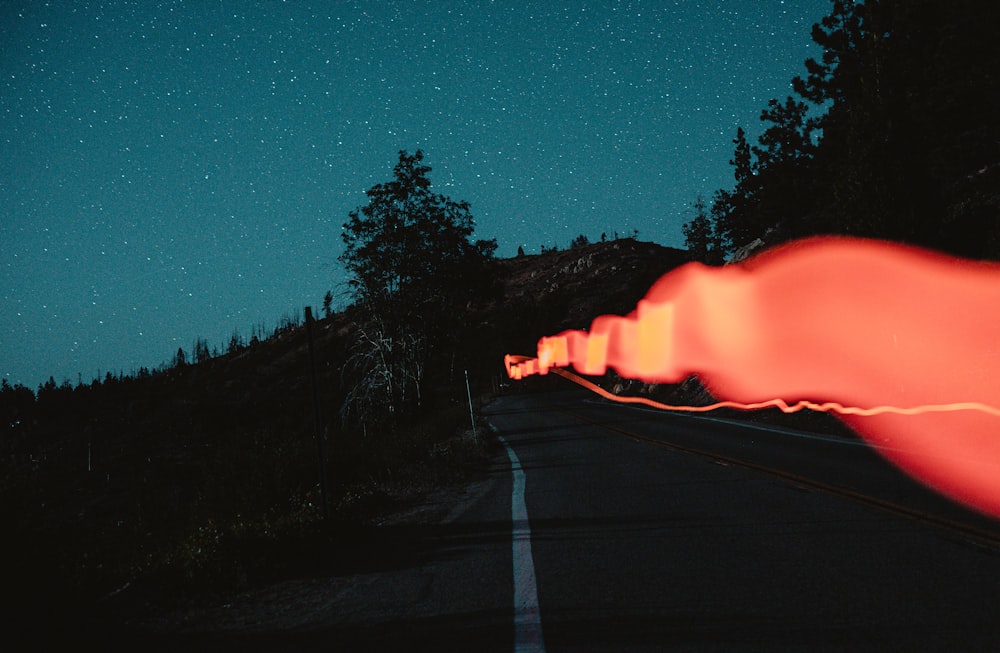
894, 134
411, 248
413, 266
699, 237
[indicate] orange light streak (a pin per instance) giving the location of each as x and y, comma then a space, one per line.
873, 332
781, 404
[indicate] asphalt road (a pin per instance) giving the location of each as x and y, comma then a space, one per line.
655, 531
602, 527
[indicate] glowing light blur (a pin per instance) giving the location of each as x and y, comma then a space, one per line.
900, 343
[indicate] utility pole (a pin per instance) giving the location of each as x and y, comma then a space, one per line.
316, 413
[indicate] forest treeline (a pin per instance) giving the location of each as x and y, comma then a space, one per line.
892, 134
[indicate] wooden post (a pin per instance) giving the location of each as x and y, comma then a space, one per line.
472, 416
316, 413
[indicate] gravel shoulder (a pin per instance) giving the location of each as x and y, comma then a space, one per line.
349, 593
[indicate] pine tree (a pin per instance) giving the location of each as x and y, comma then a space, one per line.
327, 304
700, 237
893, 134
733, 219
409, 248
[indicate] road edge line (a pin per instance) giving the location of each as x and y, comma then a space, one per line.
527, 616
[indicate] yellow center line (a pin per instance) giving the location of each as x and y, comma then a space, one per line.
978, 535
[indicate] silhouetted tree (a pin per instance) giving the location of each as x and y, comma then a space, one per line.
783, 184
413, 266
408, 247
700, 237
201, 352
731, 210
579, 241
236, 344
327, 303
860, 155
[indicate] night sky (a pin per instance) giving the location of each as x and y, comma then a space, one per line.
175, 170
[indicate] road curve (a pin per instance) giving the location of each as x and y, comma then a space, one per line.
653, 531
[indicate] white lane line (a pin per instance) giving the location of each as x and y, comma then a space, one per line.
527, 618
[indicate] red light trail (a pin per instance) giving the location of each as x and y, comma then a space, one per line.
900, 343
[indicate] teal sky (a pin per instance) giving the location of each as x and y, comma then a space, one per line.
175, 170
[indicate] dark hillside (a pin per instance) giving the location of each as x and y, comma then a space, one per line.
203, 476
551, 292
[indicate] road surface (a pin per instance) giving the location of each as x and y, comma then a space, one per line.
655, 531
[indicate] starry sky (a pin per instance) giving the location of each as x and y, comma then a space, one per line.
176, 170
